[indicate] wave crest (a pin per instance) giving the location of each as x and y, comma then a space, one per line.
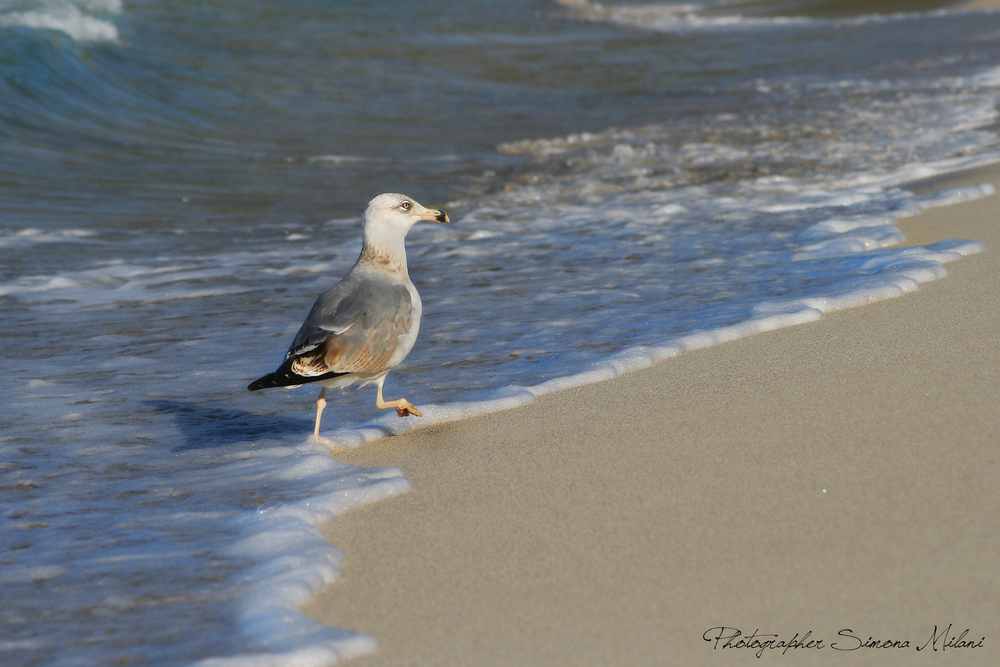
81, 20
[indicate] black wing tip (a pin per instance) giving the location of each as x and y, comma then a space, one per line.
285, 378
265, 382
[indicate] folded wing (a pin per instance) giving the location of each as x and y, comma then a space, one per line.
353, 328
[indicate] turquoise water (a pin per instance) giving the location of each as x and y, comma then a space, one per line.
178, 183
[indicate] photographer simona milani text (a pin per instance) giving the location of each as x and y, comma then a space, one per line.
939, 639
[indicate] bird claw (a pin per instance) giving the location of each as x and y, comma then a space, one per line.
407, 410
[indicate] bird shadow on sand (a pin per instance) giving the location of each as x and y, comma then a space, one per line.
204, 426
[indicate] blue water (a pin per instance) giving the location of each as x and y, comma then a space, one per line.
178, 183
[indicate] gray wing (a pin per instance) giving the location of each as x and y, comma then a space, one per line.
353, 326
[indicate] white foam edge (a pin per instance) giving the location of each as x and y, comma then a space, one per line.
293, 561
842, 236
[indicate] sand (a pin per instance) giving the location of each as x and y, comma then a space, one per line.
978, 5
839, 478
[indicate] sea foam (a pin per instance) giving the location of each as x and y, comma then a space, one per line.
82, 20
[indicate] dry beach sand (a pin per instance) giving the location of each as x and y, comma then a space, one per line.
837, 475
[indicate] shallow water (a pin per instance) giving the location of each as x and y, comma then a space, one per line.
177, 186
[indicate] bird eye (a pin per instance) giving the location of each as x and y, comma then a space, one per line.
405, 206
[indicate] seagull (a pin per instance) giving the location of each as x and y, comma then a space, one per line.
365, 325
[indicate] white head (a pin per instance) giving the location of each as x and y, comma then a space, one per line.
387, 220
395, 213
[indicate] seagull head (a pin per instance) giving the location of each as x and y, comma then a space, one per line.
394, 213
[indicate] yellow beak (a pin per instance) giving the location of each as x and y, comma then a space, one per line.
435, 214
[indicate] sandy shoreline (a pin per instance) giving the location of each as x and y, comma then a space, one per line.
832, 476
841, 474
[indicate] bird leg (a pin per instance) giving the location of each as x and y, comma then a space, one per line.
320, 405
403, 407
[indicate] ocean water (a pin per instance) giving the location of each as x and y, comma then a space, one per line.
178, 183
